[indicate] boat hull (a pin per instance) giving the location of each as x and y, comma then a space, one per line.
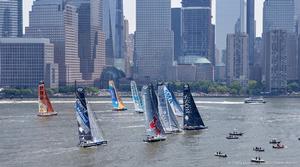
117, 109
257, 161
221, 155
47, 114
194, 127
92, 144
153, 140
139, 111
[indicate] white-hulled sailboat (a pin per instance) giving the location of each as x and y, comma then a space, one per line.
89, 132
152, 121
45, 106
138, 104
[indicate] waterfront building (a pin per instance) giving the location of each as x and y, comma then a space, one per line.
58, 21
276, 55
154, 40
251, 31
26, 61
176, 28
11, 18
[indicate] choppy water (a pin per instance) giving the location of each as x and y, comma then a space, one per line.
31, 141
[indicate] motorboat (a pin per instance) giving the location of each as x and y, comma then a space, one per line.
235, 133
278, 146
255, 100
232, 137
220, 154
152, 139
257, 160
258, 149
274, 141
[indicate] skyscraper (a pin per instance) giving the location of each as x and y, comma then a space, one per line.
154, 39
297, 8
243, 15
251, 31
11, 18
279, 15
276, 61
228, 11
176, 28
196, 29
113, 20
58, 21
91, 42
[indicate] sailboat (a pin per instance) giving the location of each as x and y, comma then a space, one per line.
167, 117
153, 125
176, 108
191, 116
117, 102
138, 104
89, 132
45, 106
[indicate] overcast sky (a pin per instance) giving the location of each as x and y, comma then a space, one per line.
129, 12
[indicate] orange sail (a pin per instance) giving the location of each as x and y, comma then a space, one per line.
45, 107
117, 102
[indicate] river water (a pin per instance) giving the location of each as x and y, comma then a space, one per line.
30, 141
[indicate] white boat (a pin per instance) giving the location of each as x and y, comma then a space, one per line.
220, 154
274, 141
258, 149
255, 100
278, 146
232, 137
236, 133
257, 160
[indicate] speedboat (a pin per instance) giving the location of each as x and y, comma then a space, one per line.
232, 137
235, 133
278, 146
255, 100
220, 154
258, 149
274, 141
151, 139
257, 160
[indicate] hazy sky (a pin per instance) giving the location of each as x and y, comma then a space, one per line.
129, 12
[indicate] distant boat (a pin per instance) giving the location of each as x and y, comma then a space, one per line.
138, 104
278, 146
166, 115
152, 121
45, 106
236, 133
230, 137
257, 160
258, 149
220, 154
255, 100
274, 141
176, 108
117, 102
89, 132
191, 116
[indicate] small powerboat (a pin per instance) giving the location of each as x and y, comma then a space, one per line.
232, 137
257, 160
274, 141
278, 146
255, 100
220, 154
258, 149
153, 139
235, 133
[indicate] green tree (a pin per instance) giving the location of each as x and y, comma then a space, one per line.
293, 87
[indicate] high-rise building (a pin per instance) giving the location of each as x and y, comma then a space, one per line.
297, 8
275, 49
228, 11
154, 39
251, 31
11, 18
196, 29
237, 65
176, 28
243, 16
128, 50
91, 38
292, 56
259, 60
58, 21
279, 15
113, 20
26, 61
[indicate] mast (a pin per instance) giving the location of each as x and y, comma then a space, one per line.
191, 116
117, 102
45, 106
152, 121
138, 104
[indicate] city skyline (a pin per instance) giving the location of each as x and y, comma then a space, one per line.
129, 13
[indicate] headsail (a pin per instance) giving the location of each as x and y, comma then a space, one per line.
89, 133
168, 119
176, 108
153, 130
45, 106
138, 104
191, 116
117, 102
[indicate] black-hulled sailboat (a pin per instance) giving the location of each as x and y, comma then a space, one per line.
191, 116
152, 121
89, 132
167, 116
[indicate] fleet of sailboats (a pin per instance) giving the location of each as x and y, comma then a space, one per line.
45, 106
88, 129
117, 102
